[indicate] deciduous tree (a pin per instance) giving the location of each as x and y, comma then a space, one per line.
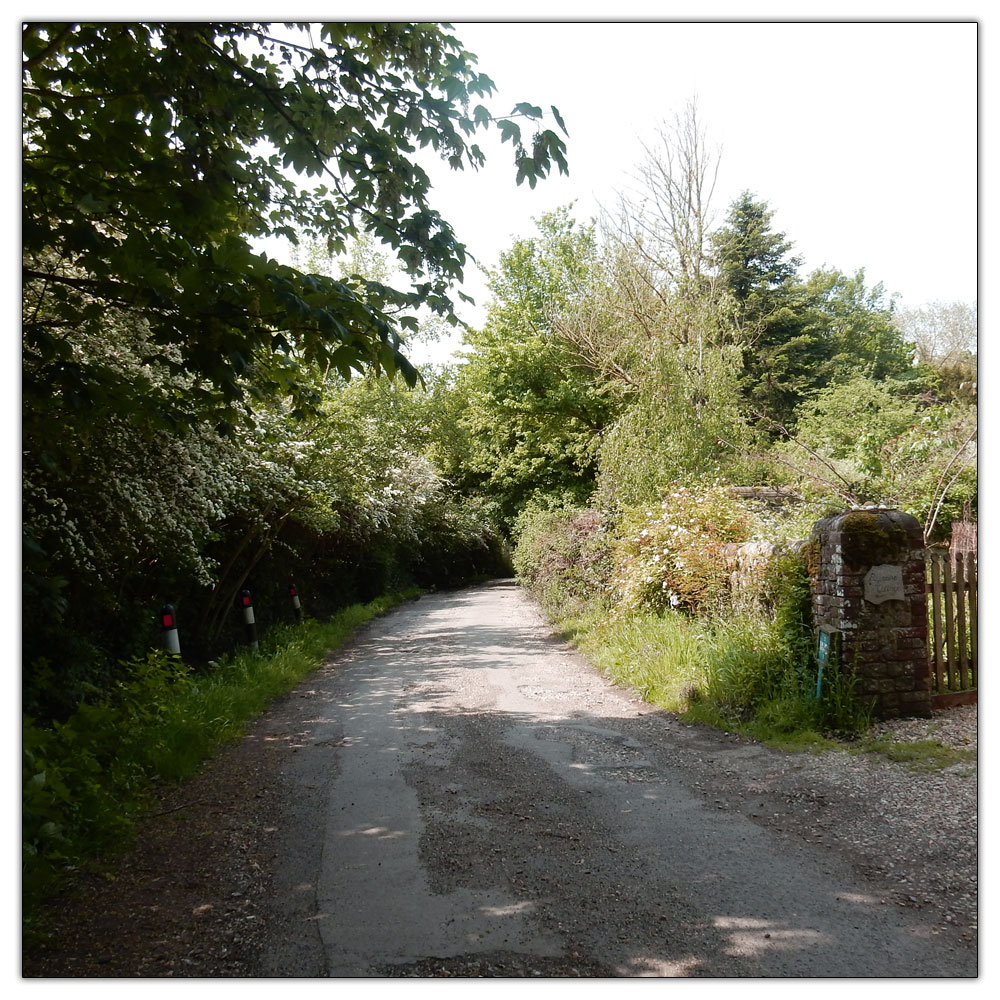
154, 154
534, 411
945, 335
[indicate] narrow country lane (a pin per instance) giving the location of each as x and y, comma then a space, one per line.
469, 797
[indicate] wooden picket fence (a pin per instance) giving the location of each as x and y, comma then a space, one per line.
953, 609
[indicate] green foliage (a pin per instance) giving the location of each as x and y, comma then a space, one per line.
347, 502
457, 544
856, 325
821, 332
746, 666
563, 557
855, 419
752, 260
930, 470
684, 422
85, 780
671, 554
647, 599
660, 657
154, 154
761, 665
840, 710
740, 672
876, 441
788, 601
717, 369
188, 427
532, 416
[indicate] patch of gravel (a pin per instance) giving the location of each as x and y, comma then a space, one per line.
925, 837
912, 832
954, 727
501, 964
189, 896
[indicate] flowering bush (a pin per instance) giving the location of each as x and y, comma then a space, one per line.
670, 555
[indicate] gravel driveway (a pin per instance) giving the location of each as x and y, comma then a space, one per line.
456, 793
481, 801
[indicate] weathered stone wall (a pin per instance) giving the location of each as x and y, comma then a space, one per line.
867, 576
747, 568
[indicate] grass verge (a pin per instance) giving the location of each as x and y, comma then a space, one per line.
86, 780
738, 675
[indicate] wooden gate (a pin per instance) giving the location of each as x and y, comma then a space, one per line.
953, 607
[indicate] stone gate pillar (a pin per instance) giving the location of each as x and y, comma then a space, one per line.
867, 576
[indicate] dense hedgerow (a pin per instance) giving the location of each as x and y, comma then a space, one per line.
346, 504
647, 597
563, 556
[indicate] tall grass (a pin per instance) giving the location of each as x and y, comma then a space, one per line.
86, 780
219, 706
663, 659
741, 672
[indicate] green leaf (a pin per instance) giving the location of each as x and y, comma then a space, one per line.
529, 110
89, 205
454, 88
509, 131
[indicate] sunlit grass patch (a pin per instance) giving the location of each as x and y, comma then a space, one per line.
919, 755
660, 658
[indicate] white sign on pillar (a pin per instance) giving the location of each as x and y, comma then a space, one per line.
884, 583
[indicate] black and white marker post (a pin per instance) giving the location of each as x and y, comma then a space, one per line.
168, 621
296, 603
251, 622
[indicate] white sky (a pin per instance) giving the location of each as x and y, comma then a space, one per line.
862, 137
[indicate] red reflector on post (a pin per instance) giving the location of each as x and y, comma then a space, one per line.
168, 621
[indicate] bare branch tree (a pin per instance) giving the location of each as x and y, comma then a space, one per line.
944, 333
666, 221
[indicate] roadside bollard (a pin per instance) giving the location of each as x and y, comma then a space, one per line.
168, 621
296, 603
251, 622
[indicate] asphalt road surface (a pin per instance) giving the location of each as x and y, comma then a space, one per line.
470, 798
